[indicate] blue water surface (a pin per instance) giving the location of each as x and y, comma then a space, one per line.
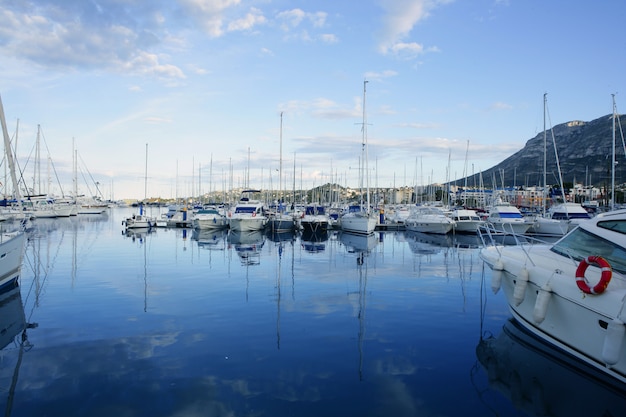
180, 323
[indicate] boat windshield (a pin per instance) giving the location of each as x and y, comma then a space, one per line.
246, 210
580, 244
314, 210
570, 216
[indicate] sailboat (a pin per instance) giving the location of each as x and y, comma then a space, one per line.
11, 243
280, 221
544, 224
360, 218
141, 220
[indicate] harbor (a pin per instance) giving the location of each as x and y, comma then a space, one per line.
177, 320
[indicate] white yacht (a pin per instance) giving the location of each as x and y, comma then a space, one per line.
571, 293
249, 214
506, 218
428, 219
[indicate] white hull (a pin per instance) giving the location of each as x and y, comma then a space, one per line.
468, 226
139, 222
87, 209
11, 255
209, 224
569, 319
426, 219
63, 210
440, 228
42, 214
248, 223
466, 221
549, 227
358, 223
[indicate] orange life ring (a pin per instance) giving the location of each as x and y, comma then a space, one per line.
605, 278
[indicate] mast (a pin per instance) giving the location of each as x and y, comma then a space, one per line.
145, 186
280, 164
613, 157
9, 154
545, 166
364, 146
37, 175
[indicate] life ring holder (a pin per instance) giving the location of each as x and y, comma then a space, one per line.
605, 278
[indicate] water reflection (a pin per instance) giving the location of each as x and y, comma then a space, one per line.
314, 241
138, 233
211, 239
467, 241
544, 381
13, 339
248, 246
358, 243
12, 318
350, 331
281, 236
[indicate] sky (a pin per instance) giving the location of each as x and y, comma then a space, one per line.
169, 98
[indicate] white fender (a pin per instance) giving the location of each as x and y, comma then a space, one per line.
520, 286
612, 348
541, 305
496, 276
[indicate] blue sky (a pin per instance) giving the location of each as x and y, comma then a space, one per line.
206, 80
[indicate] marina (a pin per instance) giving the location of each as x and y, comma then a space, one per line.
176, 321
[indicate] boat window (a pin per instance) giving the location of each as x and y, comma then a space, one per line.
618, 226
510, 215
580, 244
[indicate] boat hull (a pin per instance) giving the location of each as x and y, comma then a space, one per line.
575, 323
210, 223
281, 225
427, 227
468, 226
314, 225
11, 256
247, 224
360, 224
549, 227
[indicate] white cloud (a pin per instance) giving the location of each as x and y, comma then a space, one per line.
250, 20
318, 19
148, 64
400, 17
380, 75
208, 14
500, 106
98, 38
329, 38
290, 18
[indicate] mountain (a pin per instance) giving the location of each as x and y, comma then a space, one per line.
584, 150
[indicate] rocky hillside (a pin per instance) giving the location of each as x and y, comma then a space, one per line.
584, 151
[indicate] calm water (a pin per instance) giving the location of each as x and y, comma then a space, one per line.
173, 323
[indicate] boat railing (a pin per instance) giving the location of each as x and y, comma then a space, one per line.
489, 236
